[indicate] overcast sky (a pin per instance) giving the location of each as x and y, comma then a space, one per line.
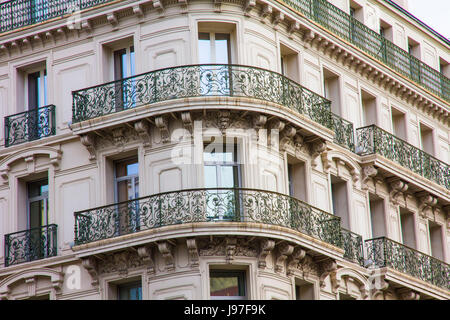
435, 13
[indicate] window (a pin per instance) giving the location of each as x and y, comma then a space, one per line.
126, 187
387, 33
36, 83
340, 200
227, 285
214, 48
129, 291
289, 63
332, 90
357, 32
124, 66
222, 172
369, 106
399, 124
408, 228
426, 139
414, 64
297, 178
436, 244
444, 69
304, 290
377, 216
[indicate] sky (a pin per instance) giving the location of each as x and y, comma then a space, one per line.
434, 13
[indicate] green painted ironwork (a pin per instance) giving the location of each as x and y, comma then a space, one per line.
20, 13
353, 246
30, 125
205, 205
32, 244
374, 140
343, 131
197, 81
383, 252
350, 29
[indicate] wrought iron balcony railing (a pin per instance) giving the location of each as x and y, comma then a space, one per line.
205, 205
343, 131
372, 139
30, 125
16, 14
32, 244
350, 29
353, 246
199, 81
383, 252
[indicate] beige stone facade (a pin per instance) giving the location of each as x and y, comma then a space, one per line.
112, 190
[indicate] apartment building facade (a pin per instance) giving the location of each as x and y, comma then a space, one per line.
236, 149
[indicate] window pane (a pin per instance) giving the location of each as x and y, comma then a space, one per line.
130, 291
210, 177
204, 48
222, 48
127, 168
227, 284
227, 177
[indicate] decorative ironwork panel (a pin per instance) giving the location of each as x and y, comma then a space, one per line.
20, 13
30, 125
205, 205
197, 81
373, 139
353, 246
349, 28
32, 244
343, 130
383, 252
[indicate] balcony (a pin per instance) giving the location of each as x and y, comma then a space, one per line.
32, 244
353, 246
30, 125
383, 252
374, 140
208, 81
348, 28
237, 205
21, 13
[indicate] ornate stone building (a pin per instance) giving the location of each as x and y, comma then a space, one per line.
226, 149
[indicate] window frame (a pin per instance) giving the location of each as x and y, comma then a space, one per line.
242, 281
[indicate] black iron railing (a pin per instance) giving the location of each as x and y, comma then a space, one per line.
343, 132
16, 14
32, 244
383, 252
350, 29
30, 125
374, 140
205, 205
353, 246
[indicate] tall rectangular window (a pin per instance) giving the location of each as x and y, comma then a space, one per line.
408, 228
332, 90
227, 285
214, 48
369, 108
377, 216
304, 290
124, 67
37, 89
289, 63
297, 179
340, 200
399, 124
426, 139
129, 291
436, 244
414, 64
37, 217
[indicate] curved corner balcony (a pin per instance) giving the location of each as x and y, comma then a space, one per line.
211, 205
351, 30
30, 125
374, 140
207, 81
32, 244
383, 252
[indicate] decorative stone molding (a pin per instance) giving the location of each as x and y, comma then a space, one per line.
408, 294
284, 250
230, 248
192, 252
358, 279
90, 264
266, 246
307, 266
118, 137
319, 147
294, 260
88, 140
328, 267
259, 121
145, 253
224, 117
248, 6
165, 248
143, 130
187, 121
368, 173
426, 202
162, 123
286, 138
398, 188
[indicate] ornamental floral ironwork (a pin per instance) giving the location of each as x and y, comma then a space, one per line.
372, 139
197, 81
353, 246
350, 29
343, 132
205, 205
30, 125
383, 252
32, 244
20, 13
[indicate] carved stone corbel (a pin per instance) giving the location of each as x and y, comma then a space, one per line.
184, 5
90, 264
118, 137
121, 263
158, 5
426, 202
293, 27
266, 246
398, 188
230, 249
294, 259
162, 124
259, 121
368, 172
328, 267
192, 252
278, 17
286, 137
408, 294
224, 120
319, 147
145, 253
284, 251
165, 248
143, 130
88, 140
187, 121
267, 10
275, 127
